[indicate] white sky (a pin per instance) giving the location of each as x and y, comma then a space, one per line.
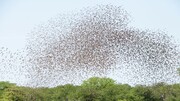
19, 17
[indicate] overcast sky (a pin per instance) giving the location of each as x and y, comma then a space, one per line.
19, 17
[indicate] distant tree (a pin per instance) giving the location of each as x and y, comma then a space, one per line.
17, 93
98, 83
64, 93
4, 86
93, 89
164, 92
145, 93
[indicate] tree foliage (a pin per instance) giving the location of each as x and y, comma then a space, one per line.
93, 89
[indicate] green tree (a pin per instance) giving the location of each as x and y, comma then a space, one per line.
144, 92
94, 89
63, 93
164, 92
98, 83
116, 92
17, 93
4, 86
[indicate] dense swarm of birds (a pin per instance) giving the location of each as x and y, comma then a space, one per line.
96, 42
12, 66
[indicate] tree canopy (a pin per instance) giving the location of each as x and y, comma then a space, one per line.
93, 89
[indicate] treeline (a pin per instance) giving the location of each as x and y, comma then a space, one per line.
93, 89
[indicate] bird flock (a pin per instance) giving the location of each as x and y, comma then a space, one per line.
97, 41
12, 66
